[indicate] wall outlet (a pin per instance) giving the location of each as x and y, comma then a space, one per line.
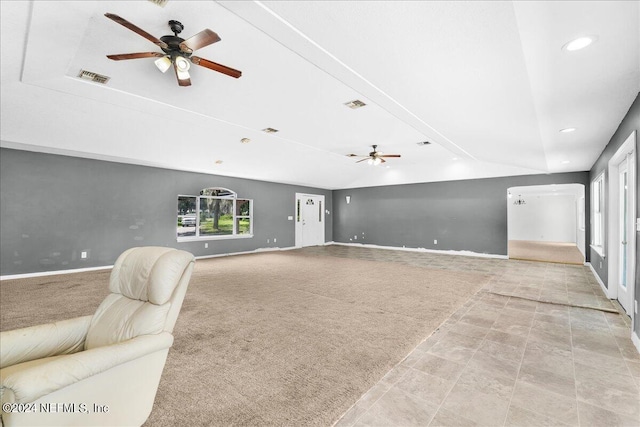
83, 255
290, 218
275, 240
206, 245
435, 242
268, 240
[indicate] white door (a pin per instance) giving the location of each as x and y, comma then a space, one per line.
309, 220
624, 237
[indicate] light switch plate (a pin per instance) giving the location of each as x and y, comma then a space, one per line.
637, 224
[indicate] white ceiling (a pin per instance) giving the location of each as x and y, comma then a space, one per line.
486, 82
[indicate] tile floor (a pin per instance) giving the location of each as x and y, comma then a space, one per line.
519, 353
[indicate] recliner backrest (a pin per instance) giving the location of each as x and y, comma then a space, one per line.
147, 287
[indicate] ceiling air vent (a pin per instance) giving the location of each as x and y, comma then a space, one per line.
160, 3
269, 130
94, 77
423, 143
356, 103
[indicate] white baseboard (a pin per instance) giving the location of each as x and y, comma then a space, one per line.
255, 251
108, 267
53, 273
636, 340
396, 248
598, 279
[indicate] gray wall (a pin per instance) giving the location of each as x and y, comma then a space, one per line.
466, 215
630, 123
53, 207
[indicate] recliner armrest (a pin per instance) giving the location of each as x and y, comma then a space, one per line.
37, 342
35, 381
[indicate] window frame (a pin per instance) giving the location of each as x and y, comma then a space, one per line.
598, 210
235, 217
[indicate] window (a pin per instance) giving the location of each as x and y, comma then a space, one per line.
597, 214
216, 213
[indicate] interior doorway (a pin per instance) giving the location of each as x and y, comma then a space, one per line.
621, 227
547, 223
309, 220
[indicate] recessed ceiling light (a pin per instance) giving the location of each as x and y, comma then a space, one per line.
567, 130
565, 162
269, 130
218, 162
579, 43
245, 140
356, 103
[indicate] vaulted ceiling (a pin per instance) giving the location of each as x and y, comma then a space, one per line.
487, 83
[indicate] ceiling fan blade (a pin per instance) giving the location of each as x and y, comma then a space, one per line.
121, 56
382, 160
216, 67
136, 29
366, 158
183, 76
355, 155
202, 39
390, 155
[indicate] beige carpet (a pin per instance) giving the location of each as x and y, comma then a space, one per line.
274, 338
558, 252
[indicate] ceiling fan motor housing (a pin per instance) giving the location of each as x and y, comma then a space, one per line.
173, 45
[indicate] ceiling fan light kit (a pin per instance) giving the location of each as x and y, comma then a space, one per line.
375, 157
177, 51
163, 63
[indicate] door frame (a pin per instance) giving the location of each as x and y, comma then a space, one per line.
613, 222
298, 217
580, 207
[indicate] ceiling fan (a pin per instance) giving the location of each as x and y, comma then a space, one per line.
375, 157
176, 50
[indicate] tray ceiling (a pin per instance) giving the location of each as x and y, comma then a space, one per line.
487, 83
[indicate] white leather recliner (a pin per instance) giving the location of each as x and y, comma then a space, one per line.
100, 370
